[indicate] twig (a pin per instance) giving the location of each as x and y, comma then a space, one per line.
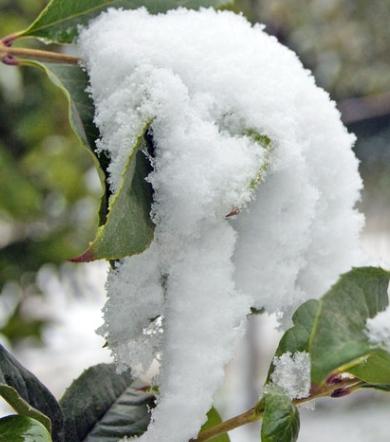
256, 413
8, 55
245, 418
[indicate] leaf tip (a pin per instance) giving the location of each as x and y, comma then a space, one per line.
87, 256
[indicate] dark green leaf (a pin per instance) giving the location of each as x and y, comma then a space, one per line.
60, 20
213, 418
332, 329
22, 429
101, 406
280, 419
27, 395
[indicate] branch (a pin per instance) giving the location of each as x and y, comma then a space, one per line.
8, 55
340, 388
247, 417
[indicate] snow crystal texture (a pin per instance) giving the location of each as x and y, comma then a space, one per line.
292, 374
378, 329
216, 89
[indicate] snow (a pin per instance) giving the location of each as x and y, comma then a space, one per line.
209, 92
128, 314
378, 329
292, 374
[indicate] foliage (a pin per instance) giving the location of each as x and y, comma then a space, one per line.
128, 229
101, 405
213, 418
280, 419
22, 429
60, 20
49, 196
25, 393
333, 332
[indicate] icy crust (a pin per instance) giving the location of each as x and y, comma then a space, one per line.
209, 81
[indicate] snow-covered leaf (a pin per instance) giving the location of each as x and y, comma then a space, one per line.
128, 229
60, 20
213, 418
22, 429
333, 329
25, 393
280, 419
265, 142
102, 406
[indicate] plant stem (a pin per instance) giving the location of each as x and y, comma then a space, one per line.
256, 413
7, 53
245, 418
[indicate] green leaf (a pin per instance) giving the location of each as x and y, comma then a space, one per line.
60, 20
73, 82
102, 406
213, 418
23, 391
280, 419
128, 229
332, 329
22, 407
22, 429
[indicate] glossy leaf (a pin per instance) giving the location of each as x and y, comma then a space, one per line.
22, 429
22, 407
60, 20
332, 329
213, 418
27, 395
280, 419
102, 406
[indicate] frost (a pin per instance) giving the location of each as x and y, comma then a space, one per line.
378, 329
292, 374
239, 128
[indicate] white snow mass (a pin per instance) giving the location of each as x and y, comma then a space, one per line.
378, 329
216, 89
292, 374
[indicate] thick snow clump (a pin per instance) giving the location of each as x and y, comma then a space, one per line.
217, 90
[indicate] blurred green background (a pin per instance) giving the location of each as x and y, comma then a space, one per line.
49, 189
